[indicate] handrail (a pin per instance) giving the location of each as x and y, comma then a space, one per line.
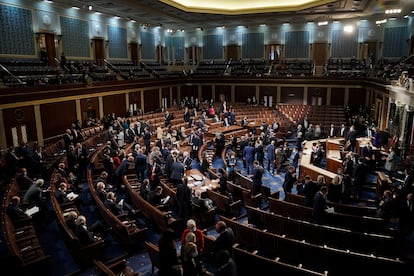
112, 66
11, 74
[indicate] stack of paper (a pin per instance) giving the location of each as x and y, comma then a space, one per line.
72, 196
32, 210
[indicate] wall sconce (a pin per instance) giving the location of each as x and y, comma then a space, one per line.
59, 37
106, 43
91, 42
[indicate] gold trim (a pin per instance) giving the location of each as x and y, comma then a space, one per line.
229, 7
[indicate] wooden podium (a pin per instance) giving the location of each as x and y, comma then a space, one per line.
383, 183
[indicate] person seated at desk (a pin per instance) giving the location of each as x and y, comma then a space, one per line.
118, 208
14, 211
369, 156
244, 121
63, 197
156, 198
201, 204
317, 154
88, 235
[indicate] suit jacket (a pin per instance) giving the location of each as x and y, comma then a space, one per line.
61, 196
257, 176
177, 171
225, 241
270, 152
122, 168
289, 182
23, 181
332, 132
15, 212
343, 132
67, 140
113, 207
101, 194
248, 153
84, 235
319, 207
140, 162
184, 200
188, 163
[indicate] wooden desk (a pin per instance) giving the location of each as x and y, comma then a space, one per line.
306, 168
333, 160
255, 125
198, 182
362, 142
383, 183
211, 133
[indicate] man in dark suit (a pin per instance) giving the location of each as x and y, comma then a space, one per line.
167, 118
140, 164
186, 115
257, 178
187, 161
195, 147
111, 204
84, 234
147, 140
122, 170
319, 206
67, 139
81, 154
369, 156
23, 180
100, 191
248, 156
177, 171
184, 199
13, 210
309, 190
333, 132
225, 238
406, 214
352, 137
130, 134
154, 172
343, 132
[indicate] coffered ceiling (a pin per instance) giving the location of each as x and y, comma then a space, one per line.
190, 14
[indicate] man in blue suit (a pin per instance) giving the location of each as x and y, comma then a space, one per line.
270, 155
248, 156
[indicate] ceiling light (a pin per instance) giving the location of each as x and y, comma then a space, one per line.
322, 23
393, 11
262, 25
392, 18
75, 8
117, 17
311, 22
348, 29
98, 12
286, 23
405, 16
133, 21
90, 7
379, 22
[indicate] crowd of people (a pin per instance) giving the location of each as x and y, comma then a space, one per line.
156, 154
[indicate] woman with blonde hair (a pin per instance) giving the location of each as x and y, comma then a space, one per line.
320, 180
191, 261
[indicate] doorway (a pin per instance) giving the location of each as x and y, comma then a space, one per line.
19, 134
